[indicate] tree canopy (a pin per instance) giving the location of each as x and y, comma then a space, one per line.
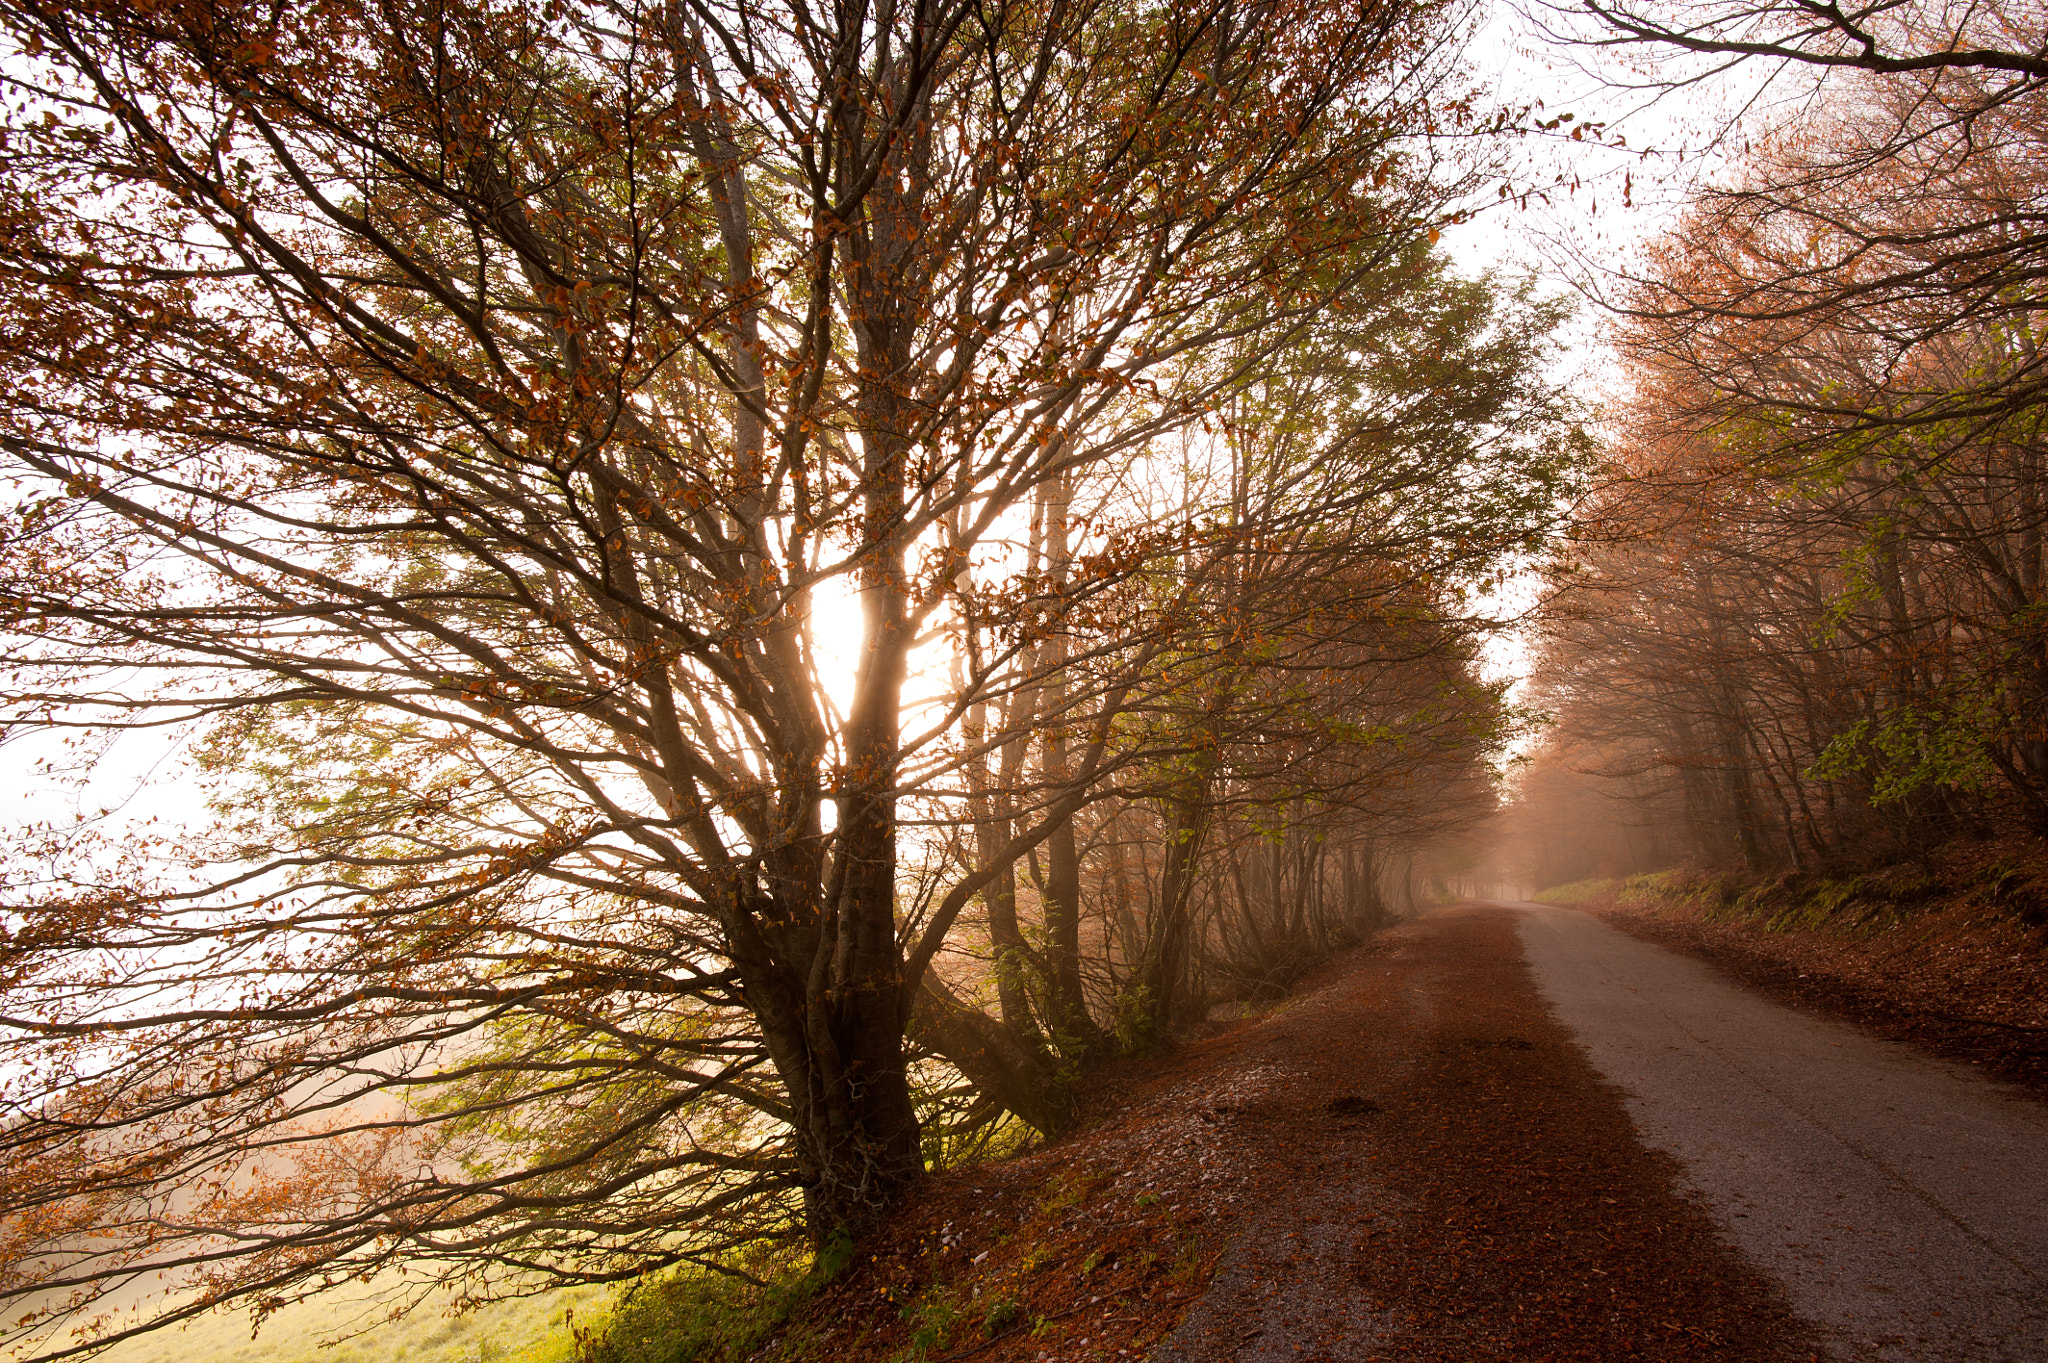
748, 585
1799, 625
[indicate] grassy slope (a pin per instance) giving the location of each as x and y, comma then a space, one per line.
528, 1331
1998, 886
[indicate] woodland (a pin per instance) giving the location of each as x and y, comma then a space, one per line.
746, 591
1800, 621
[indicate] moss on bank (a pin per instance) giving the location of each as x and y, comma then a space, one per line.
1856, 902
699, 1316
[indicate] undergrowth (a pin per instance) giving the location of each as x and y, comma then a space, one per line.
1578, 891
695, 1315
1855, 901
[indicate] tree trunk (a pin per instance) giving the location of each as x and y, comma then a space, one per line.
1062, 889
991, 1057
1170, 938
856, 1127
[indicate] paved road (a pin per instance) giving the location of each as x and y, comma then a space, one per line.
1901, 1201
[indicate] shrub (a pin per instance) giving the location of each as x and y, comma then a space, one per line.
697, 1315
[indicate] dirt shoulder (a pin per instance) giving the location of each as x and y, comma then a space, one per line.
1409, 1160
1956, 978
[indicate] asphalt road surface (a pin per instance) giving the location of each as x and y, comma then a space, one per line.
1901, 1202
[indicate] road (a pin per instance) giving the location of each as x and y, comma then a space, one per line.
1503, 1133
1900, 1202
1417, 1163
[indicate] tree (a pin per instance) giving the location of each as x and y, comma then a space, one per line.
1881, 39
1804, 613
1792, 654
464, 414
1883, 197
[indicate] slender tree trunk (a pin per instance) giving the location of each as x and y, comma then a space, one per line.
1169, 953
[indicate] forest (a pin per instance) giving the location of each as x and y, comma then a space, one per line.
1800, 621
740, 594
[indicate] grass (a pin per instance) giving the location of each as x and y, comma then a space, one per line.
692, 1316
697, 1316
933, 1318
1065, 1190
1576, 892
1870, 901
530, 1330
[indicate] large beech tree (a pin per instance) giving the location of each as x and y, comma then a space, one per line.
462, 415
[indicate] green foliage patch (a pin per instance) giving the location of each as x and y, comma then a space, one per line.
1866, 901
696, 1315
1942, 743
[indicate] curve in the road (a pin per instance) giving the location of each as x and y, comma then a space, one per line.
1901, 1201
